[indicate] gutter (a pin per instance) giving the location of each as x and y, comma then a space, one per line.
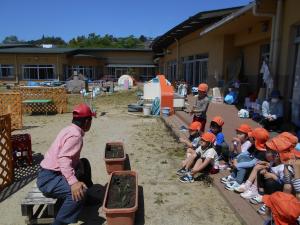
227, 19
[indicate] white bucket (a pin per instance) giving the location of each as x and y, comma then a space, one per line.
147, 109
165, 111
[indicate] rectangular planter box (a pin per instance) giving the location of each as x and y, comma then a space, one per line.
121, 216
114, 164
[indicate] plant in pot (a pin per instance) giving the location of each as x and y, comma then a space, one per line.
121, 198
114, 157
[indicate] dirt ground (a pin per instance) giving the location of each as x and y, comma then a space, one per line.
153, 153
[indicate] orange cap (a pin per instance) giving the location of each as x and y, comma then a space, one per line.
195, 126
203, 87
244, 128
218, 120
208, 137
282, 146
278, 144
261, 136
290, 138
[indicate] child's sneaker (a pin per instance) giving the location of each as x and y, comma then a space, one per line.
227, 179
249, 194
187, 178
242, 188
256, 200
232, 185
262, 210
223, 166
181, 172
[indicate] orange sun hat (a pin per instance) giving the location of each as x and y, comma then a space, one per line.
195, 126
261, 136
208, 137
218, 120
293, 140
244, 128
282, 146
203, 87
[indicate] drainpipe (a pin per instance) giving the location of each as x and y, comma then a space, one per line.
177, 62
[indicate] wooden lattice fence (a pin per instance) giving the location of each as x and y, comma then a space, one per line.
11, 102
6, 157
58, 95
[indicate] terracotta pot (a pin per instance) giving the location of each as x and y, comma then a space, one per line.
114, 164
121, 216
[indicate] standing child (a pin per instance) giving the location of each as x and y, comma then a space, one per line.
201, 105
203, 160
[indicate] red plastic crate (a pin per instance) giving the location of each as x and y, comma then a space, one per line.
21, 145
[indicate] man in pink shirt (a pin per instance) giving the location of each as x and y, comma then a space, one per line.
63, 174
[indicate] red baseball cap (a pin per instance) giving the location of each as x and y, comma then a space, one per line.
83, 110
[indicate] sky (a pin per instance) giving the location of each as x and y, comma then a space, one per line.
30, 19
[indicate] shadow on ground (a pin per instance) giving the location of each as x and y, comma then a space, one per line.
22, 176
90, 213
140, 213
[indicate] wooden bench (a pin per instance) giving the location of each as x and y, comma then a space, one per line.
37, 104
33, 207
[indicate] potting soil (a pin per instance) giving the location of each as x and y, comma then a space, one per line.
121, 193
114, 151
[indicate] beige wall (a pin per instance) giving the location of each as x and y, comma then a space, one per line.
20, 59
193, 44
291, 18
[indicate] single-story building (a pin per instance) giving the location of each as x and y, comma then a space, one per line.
21, 63
228, 44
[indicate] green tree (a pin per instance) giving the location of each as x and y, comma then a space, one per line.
12, 39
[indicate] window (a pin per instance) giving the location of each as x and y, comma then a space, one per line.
87, 71
6, 71
194, 69
38, 72
171, 70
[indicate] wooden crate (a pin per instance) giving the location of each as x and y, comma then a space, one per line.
33, 206
57, 94
6, 157
11, 102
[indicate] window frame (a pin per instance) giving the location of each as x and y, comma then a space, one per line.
37, 68
10, 67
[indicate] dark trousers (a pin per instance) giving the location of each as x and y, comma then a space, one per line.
53, 184
223, 152
272, 125
269, 185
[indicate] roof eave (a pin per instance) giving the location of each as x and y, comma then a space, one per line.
227, 19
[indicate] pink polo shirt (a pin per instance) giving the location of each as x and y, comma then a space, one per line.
64, 153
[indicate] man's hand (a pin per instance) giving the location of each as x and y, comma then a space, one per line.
78, 190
